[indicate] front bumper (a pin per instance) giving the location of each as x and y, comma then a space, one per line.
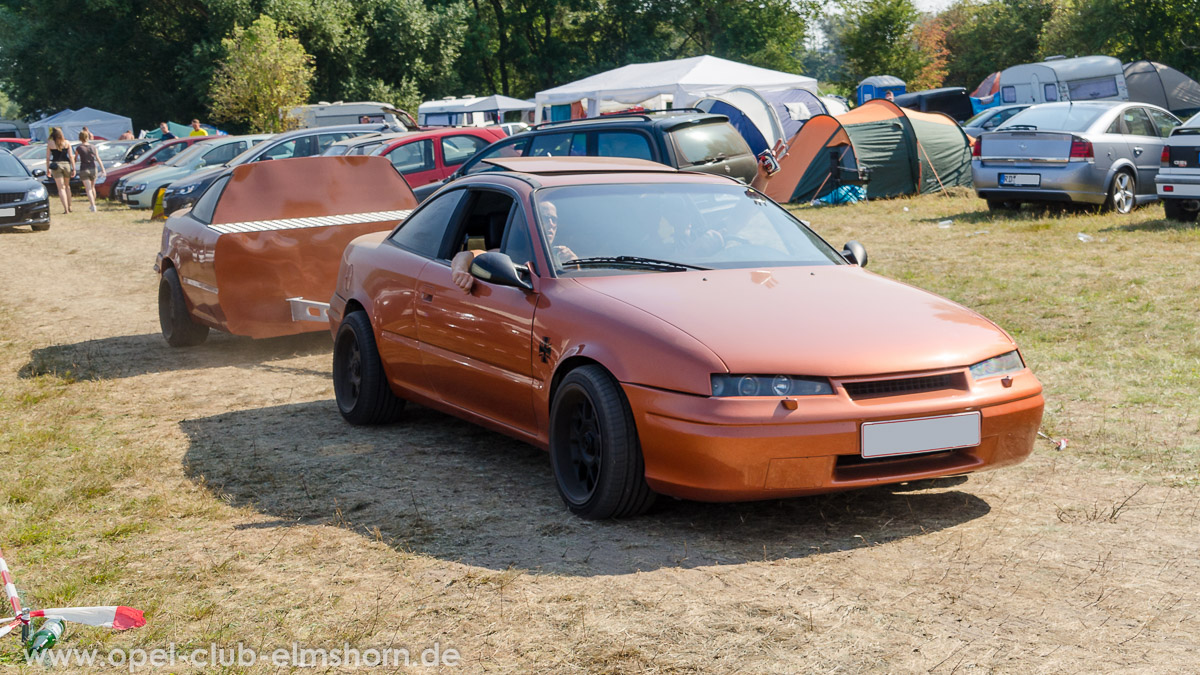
736, 449
25, 213
1071, 182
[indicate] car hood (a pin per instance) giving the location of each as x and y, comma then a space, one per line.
145, 174
21, 184
816, 320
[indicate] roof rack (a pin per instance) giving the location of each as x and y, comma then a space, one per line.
643, 114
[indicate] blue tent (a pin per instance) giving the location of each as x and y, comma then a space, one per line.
100, 123
793, 107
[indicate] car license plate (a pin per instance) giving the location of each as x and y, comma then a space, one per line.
1021, 179
926, 434
8, 213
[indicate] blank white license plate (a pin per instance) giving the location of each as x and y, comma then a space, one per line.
1021, 179
927, 434
7, 212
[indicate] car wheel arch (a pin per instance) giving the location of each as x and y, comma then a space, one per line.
565, 367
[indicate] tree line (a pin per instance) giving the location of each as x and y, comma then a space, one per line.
178, 59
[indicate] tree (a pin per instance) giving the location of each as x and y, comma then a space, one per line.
879, 40
983, 37
264, 70
1158, 30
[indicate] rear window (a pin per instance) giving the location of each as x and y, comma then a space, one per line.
709, 142
1055, 118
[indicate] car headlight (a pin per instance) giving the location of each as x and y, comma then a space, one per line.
769, 385
136, 188
998, 365
38, 192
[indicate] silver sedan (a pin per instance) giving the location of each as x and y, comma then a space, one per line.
1103, 153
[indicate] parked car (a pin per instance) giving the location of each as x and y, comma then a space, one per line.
13, 143
258, 254
685, 140
300, 143
426, 157
361, 145
139, 188
23, 198
1178, 179
952, 101
660, 359
990, 118
1102, 153
155, 155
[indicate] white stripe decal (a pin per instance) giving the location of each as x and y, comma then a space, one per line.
315, 221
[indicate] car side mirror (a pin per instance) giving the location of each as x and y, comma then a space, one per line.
38, 173
855, 253
152, 160
497, 268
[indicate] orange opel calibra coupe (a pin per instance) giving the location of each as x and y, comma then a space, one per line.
667, 332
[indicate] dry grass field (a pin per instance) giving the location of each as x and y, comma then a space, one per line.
218, 489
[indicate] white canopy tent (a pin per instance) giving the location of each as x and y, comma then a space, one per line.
685, 80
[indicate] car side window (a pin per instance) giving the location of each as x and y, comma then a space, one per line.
281, 151
411, 157
424, 230
514, 148
323, 142
203, 210
458, 149
224, 153
1137, 122
517, 244
623, 144
1164, 121
558, 145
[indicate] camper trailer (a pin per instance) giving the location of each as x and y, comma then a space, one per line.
1084, 78
358, 112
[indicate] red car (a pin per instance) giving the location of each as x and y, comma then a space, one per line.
152, 157
12, 143
429, 156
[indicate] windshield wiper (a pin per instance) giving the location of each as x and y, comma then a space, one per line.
712, 160
631, 261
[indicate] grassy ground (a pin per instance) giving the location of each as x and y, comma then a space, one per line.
217, 489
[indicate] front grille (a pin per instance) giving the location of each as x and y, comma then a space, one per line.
909, 385
11, 197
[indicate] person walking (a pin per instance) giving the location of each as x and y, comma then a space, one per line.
166, 132
89, 165
196, 130
60, 162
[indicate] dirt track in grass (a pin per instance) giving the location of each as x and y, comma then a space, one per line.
218, 488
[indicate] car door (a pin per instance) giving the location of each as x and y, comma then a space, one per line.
477, 347
456, 149
1145, 146
415, 161
393, 286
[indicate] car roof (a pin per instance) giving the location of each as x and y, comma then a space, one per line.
558, 165
667, 120
557, 171
367, 128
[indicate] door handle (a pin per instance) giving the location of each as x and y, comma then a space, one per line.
426, 292
1137, 150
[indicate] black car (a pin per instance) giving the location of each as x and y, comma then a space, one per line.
299, 143
23, 198
686, 139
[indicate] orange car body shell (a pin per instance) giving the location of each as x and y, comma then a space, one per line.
276, 233
662, 336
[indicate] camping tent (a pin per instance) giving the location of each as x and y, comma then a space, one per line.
685, 80
1165, 87
990, 85
794, 107
750, 114
100, 123
907, 152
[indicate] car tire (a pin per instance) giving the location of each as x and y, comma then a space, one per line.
1003, 205
177, 326
1175, 211
360, 384
594, 449
1122, 193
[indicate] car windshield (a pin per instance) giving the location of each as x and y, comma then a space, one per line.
606, 229
11, 167
190, 154
1055, 118
978, 119
30, 151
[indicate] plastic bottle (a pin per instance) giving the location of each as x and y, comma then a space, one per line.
46, 636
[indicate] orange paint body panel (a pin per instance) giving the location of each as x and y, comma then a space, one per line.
277, 233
